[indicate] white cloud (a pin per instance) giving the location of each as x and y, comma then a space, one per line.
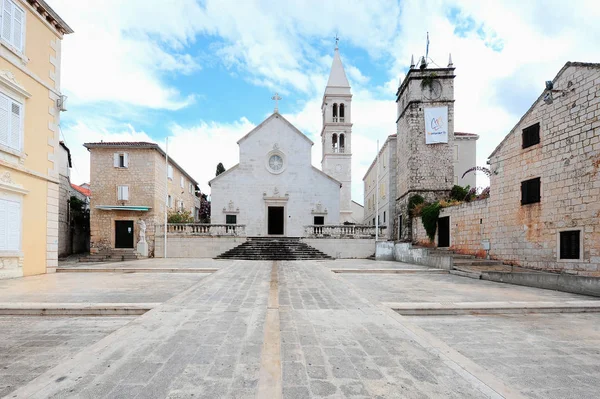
286, 46
123, 51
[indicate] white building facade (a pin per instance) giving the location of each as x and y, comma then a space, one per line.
274, 190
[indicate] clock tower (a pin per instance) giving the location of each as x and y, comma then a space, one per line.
336, 134
425, 140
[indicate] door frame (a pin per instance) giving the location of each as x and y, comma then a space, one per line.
115, 221
280, 202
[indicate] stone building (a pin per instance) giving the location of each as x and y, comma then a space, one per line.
464, 157
425, 142
30, 106
544, 206
73, 226
128, 182
274, 190
275, 173
386, 187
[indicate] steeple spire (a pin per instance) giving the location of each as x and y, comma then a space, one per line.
337, 76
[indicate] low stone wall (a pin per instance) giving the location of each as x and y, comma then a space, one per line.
343, 248
185, 246
404, 252
550, 281
469, 227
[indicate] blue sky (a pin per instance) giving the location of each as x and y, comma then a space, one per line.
203, 72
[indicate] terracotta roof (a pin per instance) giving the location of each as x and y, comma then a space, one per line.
84, 191
138, 144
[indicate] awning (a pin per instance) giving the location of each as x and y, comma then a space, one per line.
123, 208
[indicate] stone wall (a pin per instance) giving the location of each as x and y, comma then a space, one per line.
567, 160
64, 233
343, 248
185, 246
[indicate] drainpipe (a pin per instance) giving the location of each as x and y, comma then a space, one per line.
377, 196
166, 191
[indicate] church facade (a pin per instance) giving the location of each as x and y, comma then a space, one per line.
274, 190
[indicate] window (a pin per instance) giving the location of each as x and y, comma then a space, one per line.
341, 112
10, 225
182, 182
123, 193
121, 160
231, 219
191, 188
342, 142
570, 244
530, 191
335, 112
334, 142
11, 116
531, 135
383, 216
170, 172
181, 206
170, 201
13, 21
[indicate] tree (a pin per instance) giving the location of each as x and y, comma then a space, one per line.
204, 209
220, 169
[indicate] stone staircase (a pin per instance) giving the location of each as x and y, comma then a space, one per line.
262, 248
113, 255
467, 265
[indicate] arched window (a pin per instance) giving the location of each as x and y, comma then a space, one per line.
334, 142
342, 141
335, 112
341, 112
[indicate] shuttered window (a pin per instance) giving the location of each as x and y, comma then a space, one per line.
530, 191
10, 225
13, 23
182, 182
123, 193
11, 116
121, 160
531, 135
170, 172
570, 244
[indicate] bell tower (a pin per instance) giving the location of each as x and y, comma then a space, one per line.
336, 134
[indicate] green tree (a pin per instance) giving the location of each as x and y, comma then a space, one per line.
220, 169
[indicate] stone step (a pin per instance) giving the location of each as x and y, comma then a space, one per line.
263, 248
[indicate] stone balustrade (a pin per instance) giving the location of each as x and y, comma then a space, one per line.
342, 231
207, 229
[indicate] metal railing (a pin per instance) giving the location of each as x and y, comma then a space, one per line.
341, 231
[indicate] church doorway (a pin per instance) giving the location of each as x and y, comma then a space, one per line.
275, 220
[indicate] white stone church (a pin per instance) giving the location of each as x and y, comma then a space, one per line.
274, 190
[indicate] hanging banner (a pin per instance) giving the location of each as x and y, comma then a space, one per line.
436, 125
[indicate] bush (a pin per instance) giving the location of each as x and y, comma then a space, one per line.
459, 193
413, 202
180, 217
429, 217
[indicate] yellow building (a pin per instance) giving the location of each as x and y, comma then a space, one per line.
30, 105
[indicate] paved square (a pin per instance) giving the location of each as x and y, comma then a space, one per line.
297, 330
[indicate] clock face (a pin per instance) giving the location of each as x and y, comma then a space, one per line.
433, 91
275, 163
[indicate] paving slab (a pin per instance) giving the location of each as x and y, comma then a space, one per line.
96, 287
449, 288
29, 346
545, 356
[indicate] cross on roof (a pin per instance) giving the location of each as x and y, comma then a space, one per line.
337, 39
276, 98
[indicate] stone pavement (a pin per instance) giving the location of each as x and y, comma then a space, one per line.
29, 346
297, 330
544, 356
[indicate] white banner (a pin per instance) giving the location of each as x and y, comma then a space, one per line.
436, 125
